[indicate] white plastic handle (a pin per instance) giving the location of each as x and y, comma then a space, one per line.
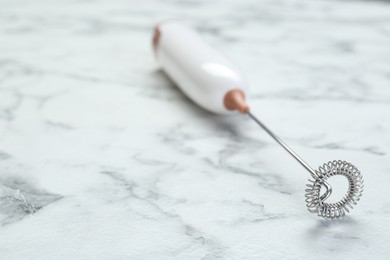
202, 73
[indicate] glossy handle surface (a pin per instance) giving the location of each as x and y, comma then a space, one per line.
200, 71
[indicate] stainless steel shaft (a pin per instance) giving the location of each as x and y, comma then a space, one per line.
314, 200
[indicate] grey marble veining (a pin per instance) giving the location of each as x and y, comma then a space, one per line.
102, 157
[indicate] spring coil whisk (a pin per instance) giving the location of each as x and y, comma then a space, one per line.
314, 201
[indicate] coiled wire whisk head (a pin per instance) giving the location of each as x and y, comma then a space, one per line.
316, 203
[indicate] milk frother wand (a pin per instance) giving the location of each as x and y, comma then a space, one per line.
216, 84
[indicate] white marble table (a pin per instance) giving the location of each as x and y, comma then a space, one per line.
102, 157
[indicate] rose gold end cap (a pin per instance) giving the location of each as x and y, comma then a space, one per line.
156, 37
235, 100
157, 33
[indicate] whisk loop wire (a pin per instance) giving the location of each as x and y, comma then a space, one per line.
315, 202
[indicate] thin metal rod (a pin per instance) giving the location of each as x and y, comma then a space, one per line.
284, 145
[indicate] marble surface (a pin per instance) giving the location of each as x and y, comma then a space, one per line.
102, 157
